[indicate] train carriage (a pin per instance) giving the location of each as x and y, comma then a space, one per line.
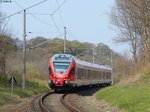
66, 71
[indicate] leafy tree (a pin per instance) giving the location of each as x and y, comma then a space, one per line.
103, 54
6, 44
37, 40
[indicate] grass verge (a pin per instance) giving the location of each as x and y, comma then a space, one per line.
132, 98
6, 96
35, 84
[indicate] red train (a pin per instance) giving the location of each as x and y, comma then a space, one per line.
67, 71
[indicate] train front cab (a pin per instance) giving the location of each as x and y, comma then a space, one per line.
61, 74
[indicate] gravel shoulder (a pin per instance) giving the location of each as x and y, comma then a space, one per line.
23, 105
86, 102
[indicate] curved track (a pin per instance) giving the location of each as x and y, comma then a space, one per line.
71, 108
69, 101
53, 102
41, 104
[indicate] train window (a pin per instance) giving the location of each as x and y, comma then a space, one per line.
106, 75
100, 73
109, 75
103, 74
61, 67
62, 57
50, 71
80, 72
88, 74
72, 70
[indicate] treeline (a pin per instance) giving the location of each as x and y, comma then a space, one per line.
38, 56
132, 19
84, 51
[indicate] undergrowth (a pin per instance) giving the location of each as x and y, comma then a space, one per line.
132, 98
33, 87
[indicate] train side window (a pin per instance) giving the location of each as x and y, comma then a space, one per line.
50, 71
72, 70
103, 75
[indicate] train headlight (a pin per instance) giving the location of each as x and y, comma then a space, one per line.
54, 75
67, 82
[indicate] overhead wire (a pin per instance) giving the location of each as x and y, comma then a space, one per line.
55, 24
39, 13
84, 52
18, 4
41, 20
60, 15
34, 15
43, 42
59, 7
55, 12
37, 17
23, 10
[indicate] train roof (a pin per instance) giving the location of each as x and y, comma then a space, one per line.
69, 58
89, 64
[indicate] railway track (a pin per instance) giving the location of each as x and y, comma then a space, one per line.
41, 104
53, 102
71, 108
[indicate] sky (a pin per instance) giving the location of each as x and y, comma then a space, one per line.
85, 20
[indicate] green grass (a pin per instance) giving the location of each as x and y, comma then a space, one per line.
133, 98
34, 85
6, 96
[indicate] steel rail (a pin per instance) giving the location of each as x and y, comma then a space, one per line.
35, 103
72, 109
42, 106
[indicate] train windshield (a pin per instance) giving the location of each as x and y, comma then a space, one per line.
61, 67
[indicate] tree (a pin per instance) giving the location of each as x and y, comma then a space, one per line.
37, 40
3, 25
6, 44
132, 17
103, 54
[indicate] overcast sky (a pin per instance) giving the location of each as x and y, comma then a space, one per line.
86, 20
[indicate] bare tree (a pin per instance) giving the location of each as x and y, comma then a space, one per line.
3, 24
132, 17
5, 46
123, 66
6, 43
